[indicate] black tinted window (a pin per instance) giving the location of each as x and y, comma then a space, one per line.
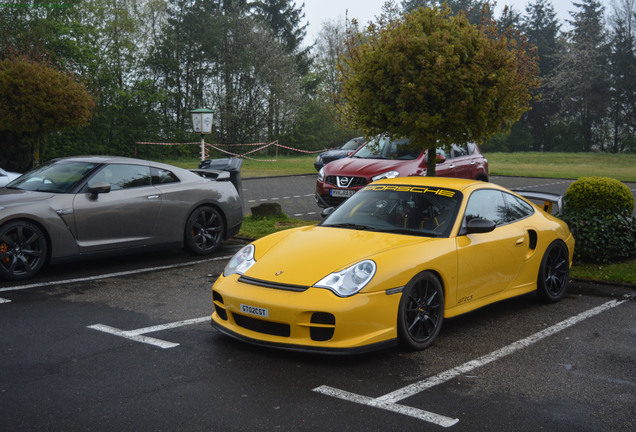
487, 204
122, 176
517, 208
162, 176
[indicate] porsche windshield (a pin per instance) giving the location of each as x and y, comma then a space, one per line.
400, 209
56, 177
386, 148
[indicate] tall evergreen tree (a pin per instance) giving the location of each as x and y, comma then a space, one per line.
542, 29
580, 81
623, 76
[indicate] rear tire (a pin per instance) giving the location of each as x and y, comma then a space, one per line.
23, 250
421, 311
204, 230
554, 272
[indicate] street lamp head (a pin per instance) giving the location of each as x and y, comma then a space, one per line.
202, 120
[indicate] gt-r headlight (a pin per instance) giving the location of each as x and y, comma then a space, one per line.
349, 281
321, 174
240, 262
386, 175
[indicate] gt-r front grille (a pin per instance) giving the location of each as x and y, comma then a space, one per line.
274, 285
261, 326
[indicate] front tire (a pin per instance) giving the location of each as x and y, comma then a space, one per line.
204, 230
554, 272
23, 250
421, 311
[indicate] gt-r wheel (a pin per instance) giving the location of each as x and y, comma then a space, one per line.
554, 272
421, 311
204, 230
23, 250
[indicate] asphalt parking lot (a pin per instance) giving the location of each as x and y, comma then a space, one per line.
125, 344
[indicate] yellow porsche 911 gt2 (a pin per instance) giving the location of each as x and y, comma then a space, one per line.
389, 264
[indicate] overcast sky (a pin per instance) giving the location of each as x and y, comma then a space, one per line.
317, 11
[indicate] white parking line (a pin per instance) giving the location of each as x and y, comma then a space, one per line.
4, 301
111, 275
138, 335
388, 401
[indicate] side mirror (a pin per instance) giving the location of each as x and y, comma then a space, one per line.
439, 158
98, 188
479, 225
326, 212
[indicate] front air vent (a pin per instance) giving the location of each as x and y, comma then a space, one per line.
323, 326
219, 305
261, 326
274, 285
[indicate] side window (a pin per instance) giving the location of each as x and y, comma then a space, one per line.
487, 204
517, 208
458, 151
122, 176
162, 176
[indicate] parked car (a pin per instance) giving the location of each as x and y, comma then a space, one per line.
390, 264
7, 176
91, 206
331, 155
386, 158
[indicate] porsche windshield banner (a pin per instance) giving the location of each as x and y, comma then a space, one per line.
415, 189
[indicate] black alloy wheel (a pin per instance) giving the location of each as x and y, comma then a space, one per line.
204, 230
23, 250
421, 311
554, 272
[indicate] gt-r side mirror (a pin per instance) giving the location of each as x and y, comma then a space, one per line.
98, 188
479, 225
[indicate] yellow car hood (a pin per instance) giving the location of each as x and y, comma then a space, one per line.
303, 256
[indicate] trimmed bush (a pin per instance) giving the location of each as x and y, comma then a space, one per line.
601, 193
598, 211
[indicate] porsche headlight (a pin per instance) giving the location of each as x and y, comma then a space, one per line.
386, 175
240, 262
349, 281
321, 174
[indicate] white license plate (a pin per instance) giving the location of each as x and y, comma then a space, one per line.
252, 310
342, 193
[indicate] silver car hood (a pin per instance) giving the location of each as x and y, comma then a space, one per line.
18, 196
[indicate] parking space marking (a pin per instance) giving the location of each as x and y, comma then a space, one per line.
111, 275
4, 300
138, 334
388, 401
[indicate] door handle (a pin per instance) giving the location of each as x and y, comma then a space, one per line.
153, 196
520, 241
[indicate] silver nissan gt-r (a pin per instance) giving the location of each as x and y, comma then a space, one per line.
97, 205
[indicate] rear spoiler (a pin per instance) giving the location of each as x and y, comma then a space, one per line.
552, 203
228, 169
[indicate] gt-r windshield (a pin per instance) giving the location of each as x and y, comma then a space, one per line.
56, 177
400, 209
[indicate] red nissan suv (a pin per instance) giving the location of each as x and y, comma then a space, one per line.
386, 158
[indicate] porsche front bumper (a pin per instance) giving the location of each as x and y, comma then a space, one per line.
311, 319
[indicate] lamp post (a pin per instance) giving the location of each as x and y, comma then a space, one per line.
202, 124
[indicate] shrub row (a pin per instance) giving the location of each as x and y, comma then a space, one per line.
598, 211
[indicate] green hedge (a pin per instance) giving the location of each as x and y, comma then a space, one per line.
601, 193
598, 211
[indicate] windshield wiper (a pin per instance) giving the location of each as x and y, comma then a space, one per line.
351, 226
409, 232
